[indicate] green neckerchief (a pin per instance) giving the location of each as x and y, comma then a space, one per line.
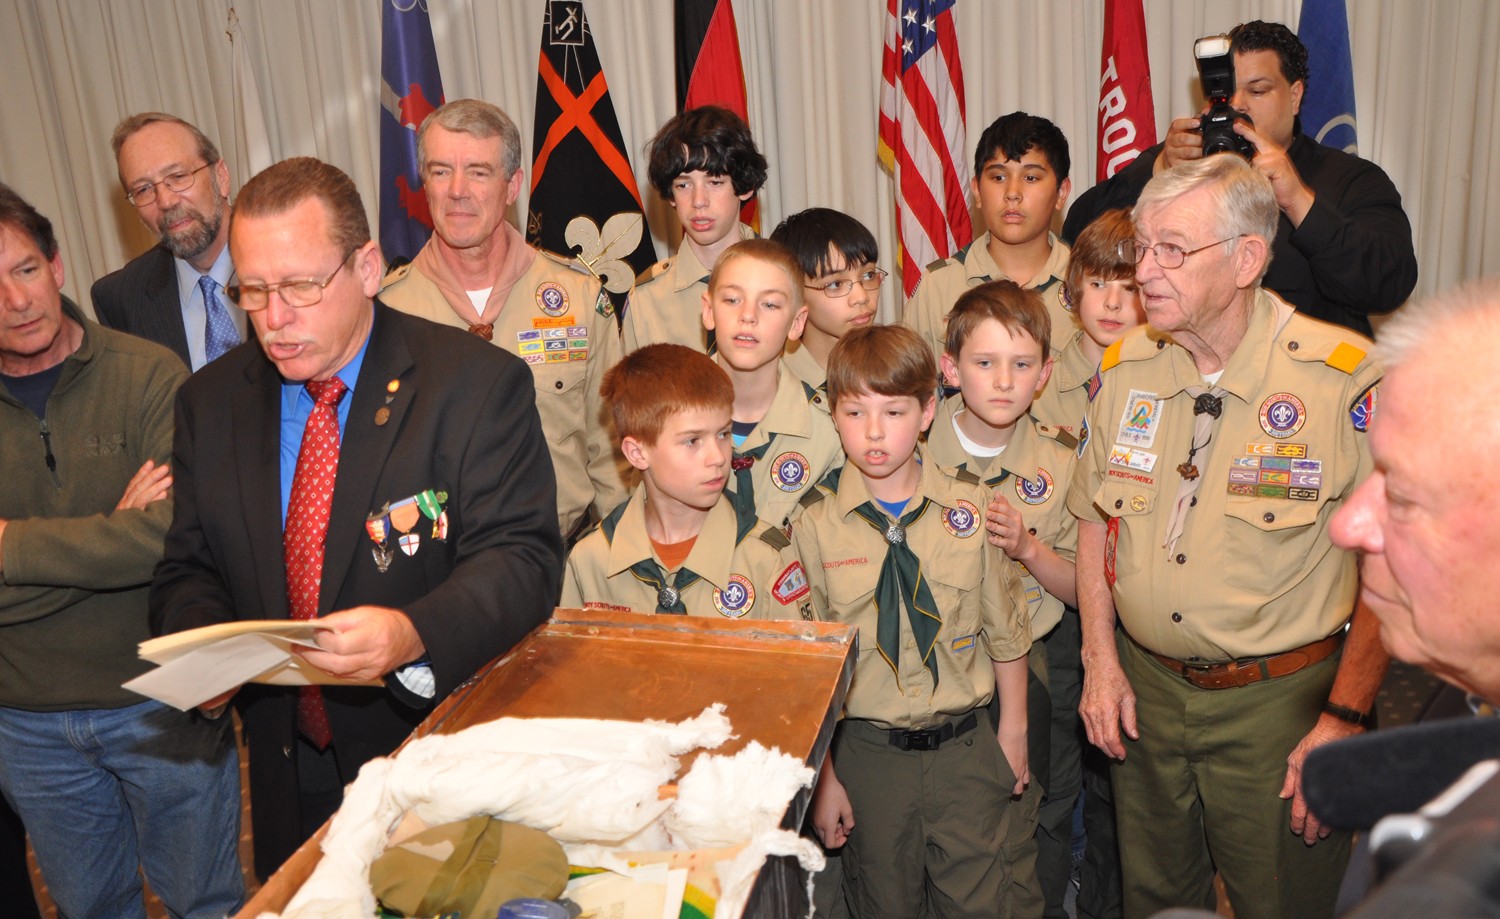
901, 584
742, 463
650, 571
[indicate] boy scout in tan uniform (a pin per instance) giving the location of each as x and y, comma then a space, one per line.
740, 567
561, 323
926, 313
793, 447
666, 305
1252, 576
913, 737
1065, 399
806, 368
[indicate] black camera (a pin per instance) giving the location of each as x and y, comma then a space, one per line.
1216, 74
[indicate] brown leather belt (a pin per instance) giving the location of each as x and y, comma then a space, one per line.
1231, 674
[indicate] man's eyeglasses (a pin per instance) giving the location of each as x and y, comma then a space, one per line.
869, 280
296, 294
179, 182
1168, 255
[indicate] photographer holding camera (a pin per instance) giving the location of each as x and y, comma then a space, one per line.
1343, 247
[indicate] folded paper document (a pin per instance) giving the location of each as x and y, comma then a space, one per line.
199, 664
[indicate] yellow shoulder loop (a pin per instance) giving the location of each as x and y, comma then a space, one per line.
1345, 357
1111, 355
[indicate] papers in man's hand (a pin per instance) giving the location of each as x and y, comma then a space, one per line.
199, 664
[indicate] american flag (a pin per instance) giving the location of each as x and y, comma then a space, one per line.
922, 142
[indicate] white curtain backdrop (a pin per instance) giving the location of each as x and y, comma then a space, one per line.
1426, 77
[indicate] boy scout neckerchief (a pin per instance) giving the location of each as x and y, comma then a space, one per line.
649, 570
1207, 406
741, 463
901, 584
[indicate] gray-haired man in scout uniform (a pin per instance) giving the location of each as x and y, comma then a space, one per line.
478, 273
1221, 440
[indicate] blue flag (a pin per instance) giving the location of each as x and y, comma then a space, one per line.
1328, 104
411, 87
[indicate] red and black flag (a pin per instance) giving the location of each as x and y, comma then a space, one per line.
708, 66
579, 168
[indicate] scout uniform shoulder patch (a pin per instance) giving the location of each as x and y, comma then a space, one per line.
775, 538
1362, 410
791, 585
963, 474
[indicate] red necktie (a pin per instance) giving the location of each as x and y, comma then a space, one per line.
307, 526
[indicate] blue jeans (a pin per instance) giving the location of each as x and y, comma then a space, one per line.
105, 791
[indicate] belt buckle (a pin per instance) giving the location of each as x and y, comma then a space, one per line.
924, 741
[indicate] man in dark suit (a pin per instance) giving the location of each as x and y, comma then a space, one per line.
174, 293
435, 450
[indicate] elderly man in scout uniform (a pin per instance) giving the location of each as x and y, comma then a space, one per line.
1220, 442
478, 273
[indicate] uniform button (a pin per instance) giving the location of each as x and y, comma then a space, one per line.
1269, 517
1181, 559
1176, 617
1119, 504
557, 385
1161, 343
1292, 346
1031, 530
913, 692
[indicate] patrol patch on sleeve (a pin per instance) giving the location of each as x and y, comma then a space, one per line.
791, 585
1362, 412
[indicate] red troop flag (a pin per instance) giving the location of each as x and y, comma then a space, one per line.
708, 67
1127, 117
922, 142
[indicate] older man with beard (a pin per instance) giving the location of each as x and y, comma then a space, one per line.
174, 294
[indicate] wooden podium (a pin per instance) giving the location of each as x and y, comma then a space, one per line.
782, 683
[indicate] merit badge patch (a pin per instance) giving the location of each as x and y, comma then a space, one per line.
551, 298
791, 585
1282, 414
1035, 492
1140, 419
961, 521
1362, 412
736, 597
790, 471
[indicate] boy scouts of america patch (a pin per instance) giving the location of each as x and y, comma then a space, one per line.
1035, 492
791, 585
790, 471
961, 521
1362, 412
551, 298
736, 598
1282, 415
